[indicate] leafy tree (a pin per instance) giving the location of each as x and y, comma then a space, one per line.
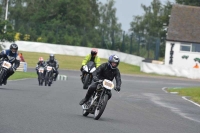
109, 27
189, 2
6, 30
150, 26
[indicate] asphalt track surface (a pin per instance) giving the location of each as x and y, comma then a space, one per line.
140, 107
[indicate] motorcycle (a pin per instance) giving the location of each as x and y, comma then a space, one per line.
49, 76
88, 69
98, 101
41, 75
5, 66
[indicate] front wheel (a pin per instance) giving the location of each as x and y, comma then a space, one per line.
46, 81
101, 107
2, 75
85, 85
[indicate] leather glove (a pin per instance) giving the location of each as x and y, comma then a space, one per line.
117, 88
13, 69
81, 69
95, 79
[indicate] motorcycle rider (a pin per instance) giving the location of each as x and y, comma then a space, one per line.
5, 55
53, 63
108, 71
41, 63
91, 57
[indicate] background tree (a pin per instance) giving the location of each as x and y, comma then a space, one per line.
189, 2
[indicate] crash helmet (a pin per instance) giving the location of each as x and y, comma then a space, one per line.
13, 48
41, 60
113, 61
51, 57
94, 51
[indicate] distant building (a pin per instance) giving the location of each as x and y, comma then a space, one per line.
183, 37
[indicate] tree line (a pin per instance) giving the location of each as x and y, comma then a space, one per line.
87, 23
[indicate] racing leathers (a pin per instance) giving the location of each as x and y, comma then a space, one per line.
103, 72
13, 58
55, 66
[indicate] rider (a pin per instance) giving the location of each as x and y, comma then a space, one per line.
41, 63
5, 55
91, 57
108, 71
53, 63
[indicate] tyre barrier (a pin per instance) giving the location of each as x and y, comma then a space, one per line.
62, 77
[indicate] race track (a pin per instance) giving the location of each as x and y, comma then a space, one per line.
140, 107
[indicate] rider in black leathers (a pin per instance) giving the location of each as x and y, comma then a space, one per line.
5, 54
53, 63
108, 71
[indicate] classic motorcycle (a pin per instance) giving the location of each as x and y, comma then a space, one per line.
88, 69
49, 76
98, 101
5, 66
41, 75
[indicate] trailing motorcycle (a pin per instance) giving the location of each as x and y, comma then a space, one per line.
49, 76
98, 101
88, 69
41, 75
5, 66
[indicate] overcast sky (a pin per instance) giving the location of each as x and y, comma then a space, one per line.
126, 9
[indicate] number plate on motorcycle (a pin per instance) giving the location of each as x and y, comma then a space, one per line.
108, 84
41, 70
6, 64
49, 68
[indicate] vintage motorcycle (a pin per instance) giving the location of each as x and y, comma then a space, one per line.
41, 75
49, 76
88, 69
5, 66
98, 101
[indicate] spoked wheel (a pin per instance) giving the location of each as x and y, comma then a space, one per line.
101, 107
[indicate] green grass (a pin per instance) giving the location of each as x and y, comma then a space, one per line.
192, 92
21, 75
74, 62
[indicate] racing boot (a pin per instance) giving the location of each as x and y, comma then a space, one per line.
84, 100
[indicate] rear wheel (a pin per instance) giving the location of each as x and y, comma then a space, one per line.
101, 107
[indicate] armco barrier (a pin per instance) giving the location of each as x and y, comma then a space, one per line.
22, 67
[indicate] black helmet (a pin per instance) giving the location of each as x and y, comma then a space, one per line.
113, 61
13, 48
51, 57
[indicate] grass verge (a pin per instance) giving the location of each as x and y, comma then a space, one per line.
74, 62
192, 92
21, 75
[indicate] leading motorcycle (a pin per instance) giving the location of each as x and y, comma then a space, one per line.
98, 101
4, 67
88, 69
